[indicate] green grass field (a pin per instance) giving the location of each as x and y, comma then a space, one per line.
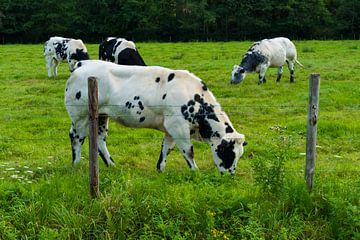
42, 196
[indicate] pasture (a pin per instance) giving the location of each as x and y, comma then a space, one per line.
42, 196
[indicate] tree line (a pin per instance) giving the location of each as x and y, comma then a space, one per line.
34, 21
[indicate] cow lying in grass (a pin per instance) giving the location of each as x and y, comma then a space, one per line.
173, 101
264, 54
120, 51
59, 49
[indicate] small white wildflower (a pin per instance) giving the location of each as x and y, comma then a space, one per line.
29, 171
10, 169
26, 167
14, 176
39, 168
302, 154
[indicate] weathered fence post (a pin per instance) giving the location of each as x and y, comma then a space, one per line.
313, 108
93, 132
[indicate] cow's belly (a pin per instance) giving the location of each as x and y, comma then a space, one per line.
277, 60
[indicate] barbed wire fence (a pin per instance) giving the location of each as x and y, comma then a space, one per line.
60, 117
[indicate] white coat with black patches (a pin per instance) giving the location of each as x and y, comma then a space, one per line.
173, 101
120, 51
59, 49
267, 53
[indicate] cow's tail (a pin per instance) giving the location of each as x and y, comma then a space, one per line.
299, 63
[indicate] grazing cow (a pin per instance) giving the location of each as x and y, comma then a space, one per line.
173, 101
120, 51
266, 53
59, 49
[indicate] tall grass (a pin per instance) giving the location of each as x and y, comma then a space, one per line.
43, 197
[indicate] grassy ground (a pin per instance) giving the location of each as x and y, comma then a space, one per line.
43, 197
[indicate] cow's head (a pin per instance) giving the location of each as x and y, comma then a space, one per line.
76, 56
227, 151
238, 74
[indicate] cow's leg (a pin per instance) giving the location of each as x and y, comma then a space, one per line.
102, 135
78, 132
279, 73
49, 66
167, 145
179, 130
262, 72
291, 69
54, 65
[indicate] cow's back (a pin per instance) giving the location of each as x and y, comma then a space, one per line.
134, 94
288, 46
277, 50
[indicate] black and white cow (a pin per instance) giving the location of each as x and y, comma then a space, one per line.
59, 49
120, 51
175, 102
264, 54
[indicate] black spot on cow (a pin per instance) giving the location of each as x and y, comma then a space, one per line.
157, 79
228, 128
141, 106
78, 95
66, 89
128, 104
118, 43
197, 98
136, 98
60, 49
79, 54
216, 134
142, 119
191, 103
79, 64
72, 136
160, 159
183, 109
171, 76
164, 96
130, 56
225, 152
185, 112
82, 140
204, 113
251, 60
204, 87
106, 50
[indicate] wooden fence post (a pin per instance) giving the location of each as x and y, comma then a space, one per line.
313, 108
93, 132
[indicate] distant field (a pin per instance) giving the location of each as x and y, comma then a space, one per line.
42, 196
